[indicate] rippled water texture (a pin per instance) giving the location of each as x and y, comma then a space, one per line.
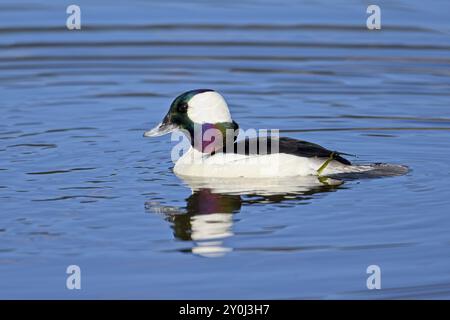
79, 185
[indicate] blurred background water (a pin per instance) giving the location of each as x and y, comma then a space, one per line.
79, 185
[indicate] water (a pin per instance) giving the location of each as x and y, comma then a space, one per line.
79, 185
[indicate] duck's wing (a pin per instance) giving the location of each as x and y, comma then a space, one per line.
252, 146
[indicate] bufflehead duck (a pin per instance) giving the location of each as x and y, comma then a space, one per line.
198, 111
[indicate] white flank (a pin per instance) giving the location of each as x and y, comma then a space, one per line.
229, 165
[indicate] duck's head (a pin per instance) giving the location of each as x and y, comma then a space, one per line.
202, 107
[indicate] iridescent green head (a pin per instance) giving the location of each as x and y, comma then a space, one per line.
196, 111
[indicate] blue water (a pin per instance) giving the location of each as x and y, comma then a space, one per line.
79, 185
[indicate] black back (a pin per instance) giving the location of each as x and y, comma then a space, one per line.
251, 146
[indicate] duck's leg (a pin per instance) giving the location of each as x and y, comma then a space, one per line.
325, 164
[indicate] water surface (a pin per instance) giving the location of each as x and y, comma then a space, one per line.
79, 185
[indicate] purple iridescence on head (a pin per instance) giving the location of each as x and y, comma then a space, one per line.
211, 139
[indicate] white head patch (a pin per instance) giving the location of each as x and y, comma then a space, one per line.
208, 107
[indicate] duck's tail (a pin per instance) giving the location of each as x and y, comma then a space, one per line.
372, 170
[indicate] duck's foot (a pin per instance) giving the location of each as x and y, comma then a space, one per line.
325, 164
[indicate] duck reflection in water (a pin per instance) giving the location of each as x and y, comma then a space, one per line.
207, 220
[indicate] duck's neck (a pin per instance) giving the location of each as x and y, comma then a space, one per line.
211, 137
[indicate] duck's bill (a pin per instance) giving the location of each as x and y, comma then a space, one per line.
160, 130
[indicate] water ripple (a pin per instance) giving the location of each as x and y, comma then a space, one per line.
61, 171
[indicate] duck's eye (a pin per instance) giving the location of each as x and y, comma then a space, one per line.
182, 108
